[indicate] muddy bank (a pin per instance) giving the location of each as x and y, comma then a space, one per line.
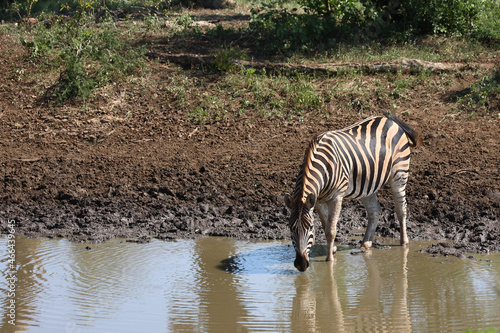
98, 197
228, 180
133, 165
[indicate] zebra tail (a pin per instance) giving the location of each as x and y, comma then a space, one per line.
414, 136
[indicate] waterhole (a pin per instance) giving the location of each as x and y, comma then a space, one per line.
224, 285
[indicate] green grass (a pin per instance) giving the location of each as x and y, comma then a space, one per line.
300, 97
281, 95
74, 53
479, 98
210, 108
290, 97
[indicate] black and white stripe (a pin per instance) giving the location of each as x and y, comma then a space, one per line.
351, 163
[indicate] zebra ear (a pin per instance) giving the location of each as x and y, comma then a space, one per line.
310, 201
288, 201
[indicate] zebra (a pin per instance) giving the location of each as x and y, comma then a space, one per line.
351, 163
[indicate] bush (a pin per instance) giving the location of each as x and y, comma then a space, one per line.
16, 9
440, 16
287, 30
224, 59
484, 96
487, 24
90, 55
323, 22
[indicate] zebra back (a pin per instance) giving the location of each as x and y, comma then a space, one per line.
355, 161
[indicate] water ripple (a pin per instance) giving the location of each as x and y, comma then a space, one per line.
219, 284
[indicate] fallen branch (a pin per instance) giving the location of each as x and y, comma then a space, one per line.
457, 172
399, 65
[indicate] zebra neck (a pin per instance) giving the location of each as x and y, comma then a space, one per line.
312, 184
311, 176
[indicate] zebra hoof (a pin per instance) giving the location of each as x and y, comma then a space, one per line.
331, 256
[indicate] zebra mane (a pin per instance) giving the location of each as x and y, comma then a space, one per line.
415, 138
304, 171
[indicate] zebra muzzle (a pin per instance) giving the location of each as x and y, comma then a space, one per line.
301, 261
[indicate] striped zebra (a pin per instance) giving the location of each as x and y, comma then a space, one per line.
351, 163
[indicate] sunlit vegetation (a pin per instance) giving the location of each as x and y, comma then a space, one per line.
83, 46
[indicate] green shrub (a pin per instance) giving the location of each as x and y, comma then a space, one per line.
288, 30
487, 24
24, 7
14, 9
439, 16
224, 59
184, 21
483, 95
89, 55
323, 23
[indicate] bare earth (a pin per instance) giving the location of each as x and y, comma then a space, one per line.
134, 166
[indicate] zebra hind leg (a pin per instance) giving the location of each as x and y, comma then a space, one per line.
398, 187
373, 209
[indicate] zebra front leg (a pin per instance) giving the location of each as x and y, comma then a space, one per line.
329, 215
373, 210
322, 210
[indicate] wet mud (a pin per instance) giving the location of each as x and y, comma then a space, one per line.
96, 175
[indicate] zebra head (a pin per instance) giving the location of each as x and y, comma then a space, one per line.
302, 228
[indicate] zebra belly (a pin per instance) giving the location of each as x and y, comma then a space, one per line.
365, 184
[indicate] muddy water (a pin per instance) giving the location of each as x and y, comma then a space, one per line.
223, 285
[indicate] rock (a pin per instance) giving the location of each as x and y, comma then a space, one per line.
204, 207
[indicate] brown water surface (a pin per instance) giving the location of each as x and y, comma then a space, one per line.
224, 285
